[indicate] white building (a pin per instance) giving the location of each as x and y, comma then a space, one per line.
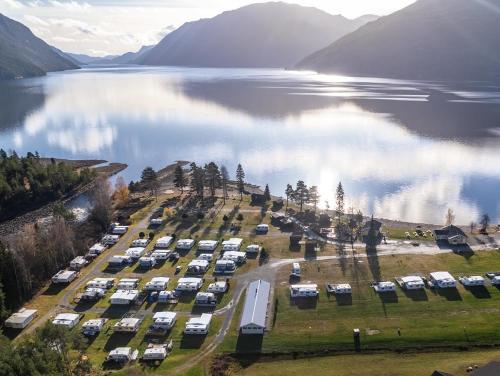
189, 284
236, 256
198, 266
119, 261
413, 282
127, 325
164, 242
471, 281
110, 239
92, 327
253, 319
66, 319
78, 263
253, 249
119, 230
146, 262
64, 276
122, 355
225, 267
101, 283
442, 280
233, 244
135, 252
205, 299
127, 284
207, 245
262, 228
97, 249
157, 284
198, 325
304, 290
218, 287
185, 244
140, 242
21, 318
385, 286
124, 297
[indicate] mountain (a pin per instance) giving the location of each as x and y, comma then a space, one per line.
86, 59
452, 40
130, 57
66, 56
272, 34
25, 55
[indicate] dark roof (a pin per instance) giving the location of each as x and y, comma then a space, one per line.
441, 232
491, 369
453, 230
439, 373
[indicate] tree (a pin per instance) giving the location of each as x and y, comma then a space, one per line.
340, 199
450, 217
289, 195
240, 180
472, 227
213, 177
100, 200
149, 180
314, 196
267, 193
198, 181
180, 179
485, 222
301, 194
225, 179
121, 195
3, 310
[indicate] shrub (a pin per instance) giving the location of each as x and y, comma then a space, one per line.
239, 217
142, 235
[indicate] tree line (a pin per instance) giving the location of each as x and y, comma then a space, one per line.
28, 182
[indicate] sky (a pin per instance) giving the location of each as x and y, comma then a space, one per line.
111, 27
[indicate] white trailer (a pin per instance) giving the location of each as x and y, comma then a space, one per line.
198, 325
304, 291
164, 242
207, 245
64, 276
21, 318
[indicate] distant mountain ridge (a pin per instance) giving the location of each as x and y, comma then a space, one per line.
272, 34
430, 39
22, 54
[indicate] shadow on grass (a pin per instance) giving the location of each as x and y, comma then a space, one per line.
479, 292
186, 297
343, 299
118, 340
249, 343
55, 289
451, 294
85, 305
389, 297
192, 341
304, 303
116, 311
419, 295
198, 309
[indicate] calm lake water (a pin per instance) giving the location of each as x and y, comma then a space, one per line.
403, 150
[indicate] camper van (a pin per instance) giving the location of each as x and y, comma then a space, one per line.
295, 269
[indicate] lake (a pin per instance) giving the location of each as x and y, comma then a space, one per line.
403, 150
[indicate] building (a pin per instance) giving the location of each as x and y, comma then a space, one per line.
442, 280
253, 319
119, 261
127, 284
198, 325
21, 318
185, 244
64, 276
205, 299
110, 239
236, 256
262, 229
164, 242
101, 283
451, 234
157, 284
78, 263
147, 262
69, 320
122, 355
253, 249
472, 281
412, 282
304, 290
233, 244
135, 252
124, 297
189, 284
218, 287
385, 286
207, 245
225, 267
92, 327
198, 266
97, 249
140, 243
127, 325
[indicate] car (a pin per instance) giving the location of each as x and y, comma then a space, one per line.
178, 269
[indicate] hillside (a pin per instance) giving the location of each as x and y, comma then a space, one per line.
25, 55
430, 39
259, 35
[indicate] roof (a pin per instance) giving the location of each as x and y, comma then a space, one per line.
491, 369
64, 274
21, 315
203, 320
165, 315
121, 351
160, 280
440, 276
189, 280
197, 262
256, 301
412, 278
451, 231
125, 294
208, 242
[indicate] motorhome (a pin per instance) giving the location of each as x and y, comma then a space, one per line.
110, 239
253, 249
119, 230
412, 282
78, 263
385, 286
295, 269
304, 291
472, 281
262, 229
97, 249
198, 266
442, 280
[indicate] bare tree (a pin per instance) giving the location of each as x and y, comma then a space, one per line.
450, 217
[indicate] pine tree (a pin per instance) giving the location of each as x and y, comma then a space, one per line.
289, 195
180, 179
149, 179
225, 179
314, 196
267, 193
340, 199
240, 180
301, 194
213, 177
